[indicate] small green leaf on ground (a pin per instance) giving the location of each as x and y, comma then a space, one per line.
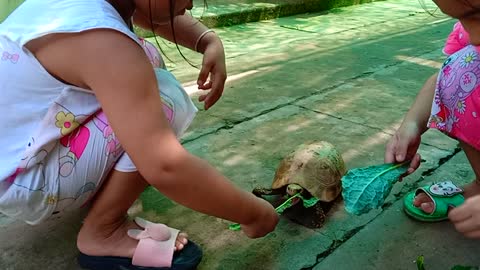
420, 261
234, 227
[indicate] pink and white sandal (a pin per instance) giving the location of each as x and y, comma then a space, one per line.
155, 251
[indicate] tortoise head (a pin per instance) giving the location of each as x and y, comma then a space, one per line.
317, 168
293, 189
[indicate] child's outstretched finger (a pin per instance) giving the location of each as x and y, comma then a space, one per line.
474, 234
466, 217
203, 75
202, 97
414, 164
464, 211
403, 150
216, 93
205, 86
392, 150
466, 226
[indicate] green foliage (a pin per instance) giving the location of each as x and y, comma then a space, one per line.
366, 188
234, 227
286, 204
420, 265
420, 261
307, 203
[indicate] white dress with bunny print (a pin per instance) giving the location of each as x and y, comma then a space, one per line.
36, 110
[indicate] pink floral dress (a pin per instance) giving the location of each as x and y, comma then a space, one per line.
457, 40
456, 105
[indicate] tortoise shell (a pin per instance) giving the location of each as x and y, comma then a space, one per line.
317, 167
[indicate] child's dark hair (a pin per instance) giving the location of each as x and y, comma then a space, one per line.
172, 18
475, 10
424, 6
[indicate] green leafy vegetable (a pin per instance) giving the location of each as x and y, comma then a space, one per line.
307, 203
420, 261
286, 204
234, 227
420, 265
366, 188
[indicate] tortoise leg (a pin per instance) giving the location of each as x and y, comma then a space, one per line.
312, 217
327, 206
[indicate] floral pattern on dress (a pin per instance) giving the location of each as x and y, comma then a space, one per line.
456, 100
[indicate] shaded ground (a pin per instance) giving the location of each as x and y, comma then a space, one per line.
346, 77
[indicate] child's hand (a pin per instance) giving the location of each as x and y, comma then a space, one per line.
213, 66
266, 220
403, 146
466, 217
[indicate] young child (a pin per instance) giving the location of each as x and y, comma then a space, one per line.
65, 67
449, 102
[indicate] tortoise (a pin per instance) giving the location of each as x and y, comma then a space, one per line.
314, 169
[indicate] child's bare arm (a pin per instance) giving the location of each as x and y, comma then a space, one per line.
187, 30
406, 140
121, 77
190, 33
419, 113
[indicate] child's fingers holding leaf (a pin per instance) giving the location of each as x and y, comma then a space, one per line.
414, 164
390, 150
403, 147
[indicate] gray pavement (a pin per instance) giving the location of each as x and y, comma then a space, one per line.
346, 77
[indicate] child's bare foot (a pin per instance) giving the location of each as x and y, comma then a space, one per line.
113, 240
425, 203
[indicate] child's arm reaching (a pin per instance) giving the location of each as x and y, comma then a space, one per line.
404, 144
130, 99
187, 29
192, 34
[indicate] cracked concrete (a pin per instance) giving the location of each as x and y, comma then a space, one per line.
394, 241
347, 77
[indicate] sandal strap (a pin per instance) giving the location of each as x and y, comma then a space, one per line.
156, 244
443, 195
444, 189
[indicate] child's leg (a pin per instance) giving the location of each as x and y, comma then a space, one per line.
473, 156
470, 190
104, 232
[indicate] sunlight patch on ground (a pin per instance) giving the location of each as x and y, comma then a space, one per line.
440, 21
380, 137
235, 160
420, 61
191, 87
298, 126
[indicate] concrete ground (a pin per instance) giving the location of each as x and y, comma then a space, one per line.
346, 77
230, 12
217, 13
